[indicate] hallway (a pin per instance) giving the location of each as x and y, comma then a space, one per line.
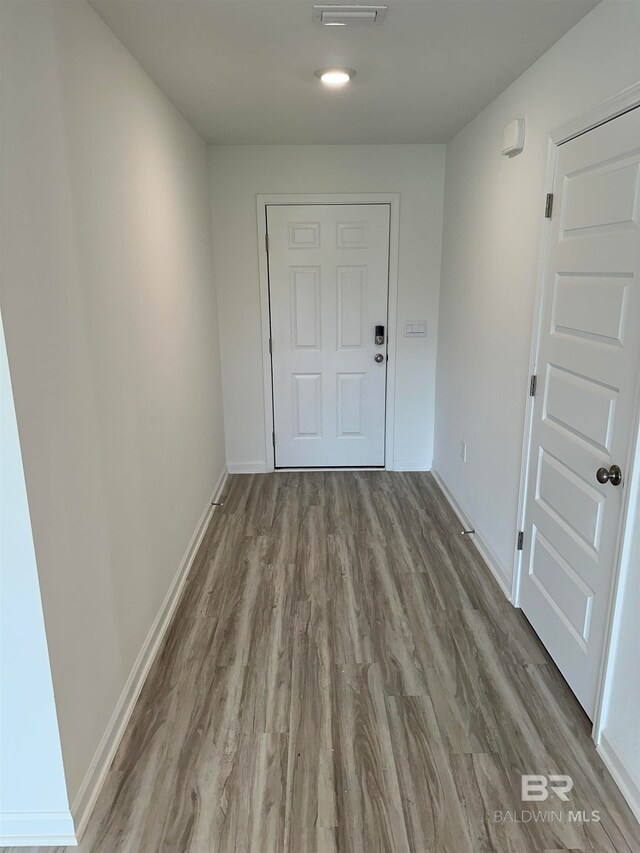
343, 674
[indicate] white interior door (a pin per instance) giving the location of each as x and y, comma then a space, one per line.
586, 398
328, 290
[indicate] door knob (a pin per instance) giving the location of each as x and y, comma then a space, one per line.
613, 475
378, 357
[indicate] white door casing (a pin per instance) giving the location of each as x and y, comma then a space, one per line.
588, 353
328, 288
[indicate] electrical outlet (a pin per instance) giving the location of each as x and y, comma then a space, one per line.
463, 451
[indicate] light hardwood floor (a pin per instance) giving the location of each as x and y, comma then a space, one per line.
344, 674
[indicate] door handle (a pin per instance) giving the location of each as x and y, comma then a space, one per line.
378, 357
613, 475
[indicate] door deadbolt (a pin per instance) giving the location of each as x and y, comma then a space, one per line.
613, 475
378, 357
379, 336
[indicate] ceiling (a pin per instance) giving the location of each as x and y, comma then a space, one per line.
241, 71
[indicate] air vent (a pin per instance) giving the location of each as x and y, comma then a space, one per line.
339, 16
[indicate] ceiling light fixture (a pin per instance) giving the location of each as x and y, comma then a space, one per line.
335, 77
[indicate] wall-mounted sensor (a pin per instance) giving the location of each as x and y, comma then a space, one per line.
513, 137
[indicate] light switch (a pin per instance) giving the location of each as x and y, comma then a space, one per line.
415, 330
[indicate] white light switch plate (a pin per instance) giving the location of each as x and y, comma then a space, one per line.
415, 330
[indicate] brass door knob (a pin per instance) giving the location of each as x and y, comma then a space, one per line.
613, 475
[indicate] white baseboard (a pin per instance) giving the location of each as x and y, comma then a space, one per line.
37, 829
261, 467
409, 465
247, 467
96, 774
495, 566
622, 776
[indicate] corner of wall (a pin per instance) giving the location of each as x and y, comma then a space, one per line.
37, 829
34, 807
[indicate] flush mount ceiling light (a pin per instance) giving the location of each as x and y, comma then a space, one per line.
335, 77
333, 15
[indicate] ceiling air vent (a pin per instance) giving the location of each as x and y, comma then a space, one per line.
339, 16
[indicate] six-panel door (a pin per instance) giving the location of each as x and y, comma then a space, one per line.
584, 409
328, 286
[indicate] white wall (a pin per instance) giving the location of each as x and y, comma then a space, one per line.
492, 231
493, 220
238, 174
33, 794
110, 320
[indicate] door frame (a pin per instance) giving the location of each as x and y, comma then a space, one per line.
393, 200
610, 109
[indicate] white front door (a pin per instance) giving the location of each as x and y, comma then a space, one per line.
328, 290
585, 401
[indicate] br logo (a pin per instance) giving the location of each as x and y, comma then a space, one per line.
536, 787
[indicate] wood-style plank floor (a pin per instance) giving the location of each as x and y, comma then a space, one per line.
344, 674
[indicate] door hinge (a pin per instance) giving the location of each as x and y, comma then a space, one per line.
548, 206
270, 347
533, 384
266, 243
520, 540
273, 439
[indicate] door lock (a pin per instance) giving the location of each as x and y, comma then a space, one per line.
613, 475
379, 336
